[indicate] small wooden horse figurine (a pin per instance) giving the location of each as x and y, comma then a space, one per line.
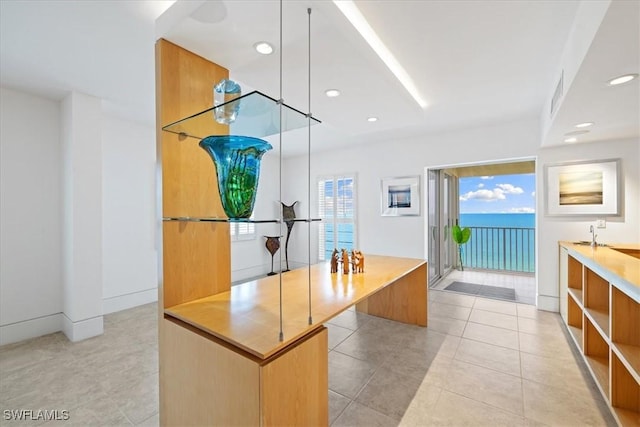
334, 261
345, 261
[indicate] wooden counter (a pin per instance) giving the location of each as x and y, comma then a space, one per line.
224, 363
247, 316
600, 304
612, 260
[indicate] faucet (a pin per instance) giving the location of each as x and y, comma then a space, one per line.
593, 235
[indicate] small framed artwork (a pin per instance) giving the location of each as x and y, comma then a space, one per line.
400, 196
583, 188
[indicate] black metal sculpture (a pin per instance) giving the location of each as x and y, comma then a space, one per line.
288, 215
272, 244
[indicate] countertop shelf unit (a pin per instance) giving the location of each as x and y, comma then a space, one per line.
600, 288
259, 117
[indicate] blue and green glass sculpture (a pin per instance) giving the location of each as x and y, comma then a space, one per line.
237, 161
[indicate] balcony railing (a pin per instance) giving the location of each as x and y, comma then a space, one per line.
500, 248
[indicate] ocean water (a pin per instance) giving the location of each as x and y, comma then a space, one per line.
500, 241
497, 220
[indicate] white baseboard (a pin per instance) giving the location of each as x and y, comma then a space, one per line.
123, 302
548, 303
31, 328
83, 329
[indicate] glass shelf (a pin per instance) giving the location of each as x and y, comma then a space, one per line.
258, 116
254, 221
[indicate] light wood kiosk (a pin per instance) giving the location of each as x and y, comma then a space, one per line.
221, 359
600, 304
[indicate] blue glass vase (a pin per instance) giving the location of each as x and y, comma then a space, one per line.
237, 161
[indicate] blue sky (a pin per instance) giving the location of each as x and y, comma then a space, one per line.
498, 194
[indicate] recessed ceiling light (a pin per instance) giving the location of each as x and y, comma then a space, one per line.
571, 140
584, 125
622, 79
372, 119
576, 132
263, 48
332, 93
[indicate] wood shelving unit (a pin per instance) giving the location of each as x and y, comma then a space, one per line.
603, 318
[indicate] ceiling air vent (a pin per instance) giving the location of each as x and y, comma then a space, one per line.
557, 95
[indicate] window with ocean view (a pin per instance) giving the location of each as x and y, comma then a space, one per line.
336, 207
500, 211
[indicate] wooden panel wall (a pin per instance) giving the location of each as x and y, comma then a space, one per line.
196, 256
294, 385
205, 383
405, 300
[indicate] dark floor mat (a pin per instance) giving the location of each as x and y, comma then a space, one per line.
495, 292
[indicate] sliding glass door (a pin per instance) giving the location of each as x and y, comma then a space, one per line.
442, 215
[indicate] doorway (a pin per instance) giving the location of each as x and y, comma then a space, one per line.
497, 203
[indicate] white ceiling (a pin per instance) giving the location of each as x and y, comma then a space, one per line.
475, 62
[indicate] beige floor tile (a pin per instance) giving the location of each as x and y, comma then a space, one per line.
347, 375
337, 334
495, 306
432, 341
448, 310
556, 406
152, 421
446, 325
544, 325
360, 415
389, 392
421, 406
99, 412
491, 318
491, 335
139, 400
370, 347
558, 373
455, 410
485, 385
490, 356
453, 298
350, 319
337, 404
543, 345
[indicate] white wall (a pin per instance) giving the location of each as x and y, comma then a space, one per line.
405, 236
623, 229
30, 216
130, 259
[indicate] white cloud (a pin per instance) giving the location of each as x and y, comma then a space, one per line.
510, 189
522, 210
498, 193
484, 195
533, 194
486, 177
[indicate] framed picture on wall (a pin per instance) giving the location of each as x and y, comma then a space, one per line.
583, 188
400, 196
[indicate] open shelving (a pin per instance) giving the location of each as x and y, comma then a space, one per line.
603, 318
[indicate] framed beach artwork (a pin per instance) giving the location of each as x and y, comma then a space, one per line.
583, 188
400, 196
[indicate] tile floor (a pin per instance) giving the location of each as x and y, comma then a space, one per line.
480, 362
524, 284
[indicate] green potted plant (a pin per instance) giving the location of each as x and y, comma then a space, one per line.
460, 236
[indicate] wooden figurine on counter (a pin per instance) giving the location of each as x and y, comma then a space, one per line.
345, 261
358, 261
334, 261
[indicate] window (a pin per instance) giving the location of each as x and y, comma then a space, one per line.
337, 209
242, 230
